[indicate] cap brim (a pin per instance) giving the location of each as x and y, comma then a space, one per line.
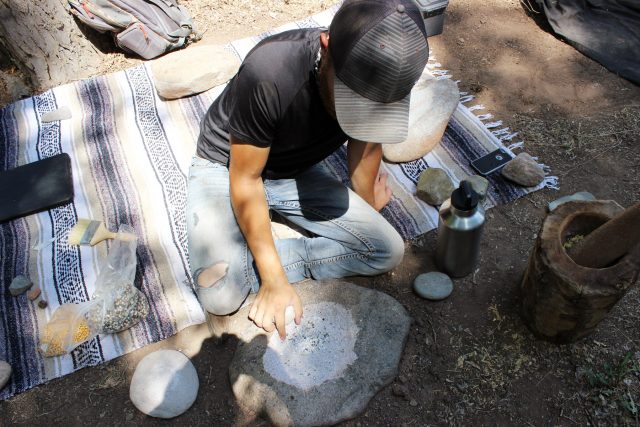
370, 121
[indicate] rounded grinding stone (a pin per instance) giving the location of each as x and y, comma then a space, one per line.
433, 285
164, 384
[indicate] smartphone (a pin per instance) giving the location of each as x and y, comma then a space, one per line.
35, 187
491, 162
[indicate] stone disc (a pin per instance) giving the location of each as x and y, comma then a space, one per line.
433, 285
164, 384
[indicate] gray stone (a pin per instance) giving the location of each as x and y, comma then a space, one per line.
524, 170
5, 373
581, 195
479, 184
164, 384
193, 70
434, 186
62, 113
433, 102
317, 384
19, 285
433, 285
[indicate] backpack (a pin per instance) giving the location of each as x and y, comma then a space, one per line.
148, 28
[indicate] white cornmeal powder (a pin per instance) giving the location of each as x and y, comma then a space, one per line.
318, 350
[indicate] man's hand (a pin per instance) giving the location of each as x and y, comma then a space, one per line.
381, 191
364, 160
268, 310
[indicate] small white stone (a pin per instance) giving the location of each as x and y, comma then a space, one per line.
62, 113
5, 373
581, 195
164, 384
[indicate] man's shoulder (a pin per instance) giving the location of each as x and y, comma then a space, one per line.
281, 55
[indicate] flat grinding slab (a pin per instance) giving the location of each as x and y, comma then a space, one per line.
346, 349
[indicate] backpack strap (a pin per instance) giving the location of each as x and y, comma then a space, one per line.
179, 15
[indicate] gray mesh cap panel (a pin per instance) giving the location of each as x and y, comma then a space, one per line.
387, 61
379, 50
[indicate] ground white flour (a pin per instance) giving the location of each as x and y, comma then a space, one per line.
318, 350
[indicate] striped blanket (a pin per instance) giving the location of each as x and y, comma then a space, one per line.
130, 154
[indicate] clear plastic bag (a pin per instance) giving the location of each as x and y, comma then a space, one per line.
120, 304
67, 329
116, 304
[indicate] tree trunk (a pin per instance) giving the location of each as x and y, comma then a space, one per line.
561, 300
44, 41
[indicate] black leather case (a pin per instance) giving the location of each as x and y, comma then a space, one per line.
35, 187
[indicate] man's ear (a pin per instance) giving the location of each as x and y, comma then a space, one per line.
324, 41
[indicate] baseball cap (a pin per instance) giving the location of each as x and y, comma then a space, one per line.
379, 50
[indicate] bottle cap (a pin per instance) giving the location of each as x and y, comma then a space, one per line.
464, 198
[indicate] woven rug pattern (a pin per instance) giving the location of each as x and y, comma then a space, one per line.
130, 154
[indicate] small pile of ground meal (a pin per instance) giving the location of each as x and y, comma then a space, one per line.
317, 350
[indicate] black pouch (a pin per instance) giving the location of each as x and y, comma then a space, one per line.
35, 187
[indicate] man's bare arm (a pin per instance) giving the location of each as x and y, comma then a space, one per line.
252, 213
364, 160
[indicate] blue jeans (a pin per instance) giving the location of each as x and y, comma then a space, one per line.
350, 237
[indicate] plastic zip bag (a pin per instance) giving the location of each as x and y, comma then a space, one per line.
67, 329
116, 304
121, 304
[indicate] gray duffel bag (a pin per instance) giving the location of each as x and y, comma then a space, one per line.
148, 28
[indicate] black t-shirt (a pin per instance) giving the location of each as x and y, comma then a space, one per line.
273, 101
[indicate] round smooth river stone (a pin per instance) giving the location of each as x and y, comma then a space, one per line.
5, 373
433, 285
164, 385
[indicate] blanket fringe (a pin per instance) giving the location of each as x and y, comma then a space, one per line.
551, 182
519, 144
466, 98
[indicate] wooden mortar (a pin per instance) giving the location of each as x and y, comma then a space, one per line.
561, 300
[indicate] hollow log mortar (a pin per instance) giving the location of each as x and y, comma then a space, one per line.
561, 300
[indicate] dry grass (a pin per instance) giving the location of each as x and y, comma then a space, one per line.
583, 136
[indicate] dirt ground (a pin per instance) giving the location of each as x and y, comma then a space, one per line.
469, 359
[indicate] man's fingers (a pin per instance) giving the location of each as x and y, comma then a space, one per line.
259, 316
297, 307
253, 311
280, 324
268, 325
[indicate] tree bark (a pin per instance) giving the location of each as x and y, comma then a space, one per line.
44, 41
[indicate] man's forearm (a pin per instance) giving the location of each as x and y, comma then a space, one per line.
252, 214
364, 163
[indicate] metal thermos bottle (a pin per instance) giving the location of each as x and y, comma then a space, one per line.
460, 224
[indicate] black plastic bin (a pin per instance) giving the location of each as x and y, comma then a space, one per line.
433, 15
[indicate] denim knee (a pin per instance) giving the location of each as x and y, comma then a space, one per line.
389, 252
223, 297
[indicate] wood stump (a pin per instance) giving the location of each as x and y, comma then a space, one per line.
561, 300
